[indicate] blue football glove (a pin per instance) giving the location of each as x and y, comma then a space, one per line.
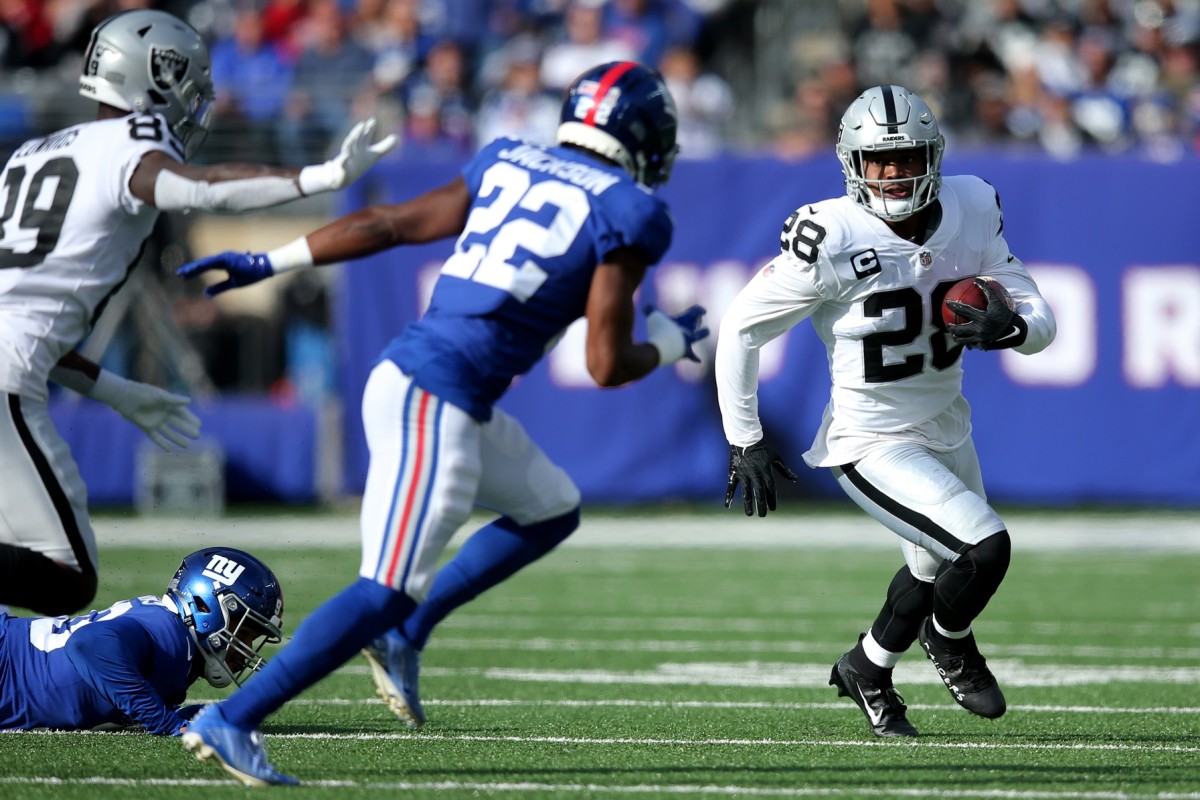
674, 336
243, 268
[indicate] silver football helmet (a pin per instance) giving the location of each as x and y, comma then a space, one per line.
152, 62
890, 118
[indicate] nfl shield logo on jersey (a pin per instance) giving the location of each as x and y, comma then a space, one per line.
167, 67
925, 257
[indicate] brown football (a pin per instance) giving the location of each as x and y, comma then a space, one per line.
968, 292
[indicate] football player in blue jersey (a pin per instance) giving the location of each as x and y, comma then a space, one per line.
546, 235
130, 665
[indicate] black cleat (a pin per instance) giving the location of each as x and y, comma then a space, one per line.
879, 700
964, 671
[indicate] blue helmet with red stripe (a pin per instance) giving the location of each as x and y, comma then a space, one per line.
624, 112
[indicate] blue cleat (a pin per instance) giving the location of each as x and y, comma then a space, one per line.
396, 668
240, 752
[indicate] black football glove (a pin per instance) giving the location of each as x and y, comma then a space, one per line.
754, 468
986, 326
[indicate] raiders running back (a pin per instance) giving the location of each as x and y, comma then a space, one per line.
873, 298
870, 270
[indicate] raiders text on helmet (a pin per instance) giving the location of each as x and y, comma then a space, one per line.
890, 118
152, 62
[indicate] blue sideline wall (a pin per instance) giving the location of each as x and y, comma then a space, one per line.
1108, 415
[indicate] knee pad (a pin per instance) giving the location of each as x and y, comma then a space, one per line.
73, 594
31, 580
991, 556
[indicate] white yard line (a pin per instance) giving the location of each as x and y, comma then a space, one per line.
791, 675
843, 705
595, 789
639, 741
754, 647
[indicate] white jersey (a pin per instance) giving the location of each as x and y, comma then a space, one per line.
875, 300
71, 230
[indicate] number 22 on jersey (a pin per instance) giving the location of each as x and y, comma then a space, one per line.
500, 249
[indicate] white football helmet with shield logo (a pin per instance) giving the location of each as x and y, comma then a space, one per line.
890, 118
154, 63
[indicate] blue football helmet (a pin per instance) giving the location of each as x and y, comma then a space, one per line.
624, 112
232, 605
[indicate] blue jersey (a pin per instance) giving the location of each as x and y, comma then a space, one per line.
541, 220
128, 664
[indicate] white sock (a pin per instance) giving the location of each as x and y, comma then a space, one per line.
950, 634
877, 655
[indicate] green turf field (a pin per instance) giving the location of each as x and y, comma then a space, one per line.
702, 672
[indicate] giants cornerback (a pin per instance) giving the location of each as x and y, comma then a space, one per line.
546, 235
79, 206
871, 270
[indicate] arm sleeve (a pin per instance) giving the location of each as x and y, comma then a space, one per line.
1037, 327
780, 296
109, 657
174, 192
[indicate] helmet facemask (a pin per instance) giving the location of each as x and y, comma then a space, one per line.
871, 194
232, 652
885, 119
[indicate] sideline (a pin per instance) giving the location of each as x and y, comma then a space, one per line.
1064, 531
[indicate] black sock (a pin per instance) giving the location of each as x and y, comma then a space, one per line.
963, 588
908, 602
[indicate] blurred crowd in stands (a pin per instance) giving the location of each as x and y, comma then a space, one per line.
759, 76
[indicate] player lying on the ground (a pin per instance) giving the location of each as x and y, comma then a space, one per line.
130, 665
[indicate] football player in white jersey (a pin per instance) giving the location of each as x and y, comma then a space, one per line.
79, 205
871, 270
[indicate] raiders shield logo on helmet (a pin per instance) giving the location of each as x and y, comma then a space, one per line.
167, 67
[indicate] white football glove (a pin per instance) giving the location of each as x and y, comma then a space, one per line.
164, 416
674, 336
357, 156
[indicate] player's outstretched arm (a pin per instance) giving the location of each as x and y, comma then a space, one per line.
613, 358
169, 185
164, 416
434, 215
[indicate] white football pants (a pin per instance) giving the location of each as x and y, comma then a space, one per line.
933, 500
43, 500
431, 464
